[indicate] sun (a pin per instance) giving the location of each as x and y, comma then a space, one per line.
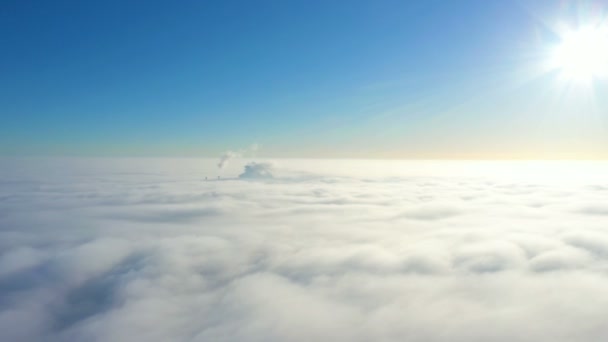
582, 54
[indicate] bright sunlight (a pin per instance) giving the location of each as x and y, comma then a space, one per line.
582, 55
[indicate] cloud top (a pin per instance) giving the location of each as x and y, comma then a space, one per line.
132, 250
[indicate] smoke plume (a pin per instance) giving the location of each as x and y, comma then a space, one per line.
225, 158
228, 155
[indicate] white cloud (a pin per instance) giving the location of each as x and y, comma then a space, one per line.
146, 250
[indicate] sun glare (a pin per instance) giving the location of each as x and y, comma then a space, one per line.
583, 54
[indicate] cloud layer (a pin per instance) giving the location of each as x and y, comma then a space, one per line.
147, 251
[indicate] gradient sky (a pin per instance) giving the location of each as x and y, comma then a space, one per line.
350, 79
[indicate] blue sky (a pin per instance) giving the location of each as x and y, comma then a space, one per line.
361, 79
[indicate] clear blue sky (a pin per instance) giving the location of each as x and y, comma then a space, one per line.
365, 79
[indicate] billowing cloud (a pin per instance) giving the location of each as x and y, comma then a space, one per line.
255, 170
102, 250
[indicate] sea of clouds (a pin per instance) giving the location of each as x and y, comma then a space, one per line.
147, 250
